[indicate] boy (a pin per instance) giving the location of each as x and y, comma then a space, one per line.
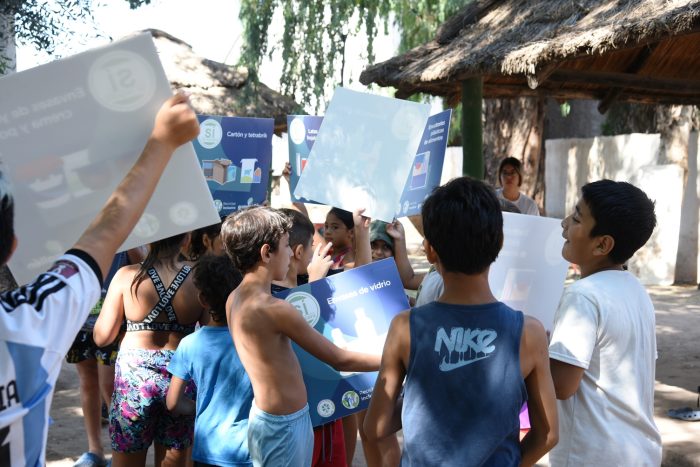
224, 394
308, 265
469, 361
279, 428
603, 348
41, 319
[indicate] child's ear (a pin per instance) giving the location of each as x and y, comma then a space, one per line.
298, 251
202, 301
430, 253
265, 253
605, 245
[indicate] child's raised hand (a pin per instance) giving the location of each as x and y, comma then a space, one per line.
287, 171
395, 230
361, 222
320, 263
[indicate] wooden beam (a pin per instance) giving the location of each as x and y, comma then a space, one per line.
634, 67
626, 80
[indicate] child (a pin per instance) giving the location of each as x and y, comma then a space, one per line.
469, 361
308, 265
339, 230
279, 429
603, 348
224, 394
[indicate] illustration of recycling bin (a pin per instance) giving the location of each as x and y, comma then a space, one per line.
248, 172
217, 170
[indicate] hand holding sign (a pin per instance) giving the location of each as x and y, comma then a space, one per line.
320, 263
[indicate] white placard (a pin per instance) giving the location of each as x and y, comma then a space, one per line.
529, 273
69, 132
363, 153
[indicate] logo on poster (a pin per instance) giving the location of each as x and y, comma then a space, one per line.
210, 133
297, 131
147, 226
183, 213
122, 81
350, 400
307, 306
325, 408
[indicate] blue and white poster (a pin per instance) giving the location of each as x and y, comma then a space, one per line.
363, 153
353, 309
426, 168
302, 135
235, 155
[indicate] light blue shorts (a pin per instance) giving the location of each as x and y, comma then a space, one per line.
280, 440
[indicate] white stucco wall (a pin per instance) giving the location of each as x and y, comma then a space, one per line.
570, 163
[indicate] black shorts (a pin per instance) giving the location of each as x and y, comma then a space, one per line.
84, 348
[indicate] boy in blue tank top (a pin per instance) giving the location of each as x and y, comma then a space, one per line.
469, 361
207, 357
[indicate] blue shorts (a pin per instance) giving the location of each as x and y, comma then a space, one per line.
280, 440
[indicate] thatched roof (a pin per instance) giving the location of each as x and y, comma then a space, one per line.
219, 89
641, 50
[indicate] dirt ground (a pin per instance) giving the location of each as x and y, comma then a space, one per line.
677, 380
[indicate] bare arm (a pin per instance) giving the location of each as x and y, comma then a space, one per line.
363, 250
109, 321
176, 401
175, 124
290, 323
384, 413
542, 407
566, 378
409, 278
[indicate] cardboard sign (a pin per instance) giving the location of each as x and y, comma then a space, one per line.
353, 309
363, 153
235, 154
69, 132
529, 273
426, 168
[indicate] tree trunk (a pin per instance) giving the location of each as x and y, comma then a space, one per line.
674, 123
9, 64
514, 127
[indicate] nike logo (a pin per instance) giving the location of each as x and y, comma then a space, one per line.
445, 366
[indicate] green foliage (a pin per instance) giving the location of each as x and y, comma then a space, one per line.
314, 36
565, 109
39, 22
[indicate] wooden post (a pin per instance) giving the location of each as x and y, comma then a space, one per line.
472, 134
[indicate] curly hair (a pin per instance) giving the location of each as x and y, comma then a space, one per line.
215, 277
246, 231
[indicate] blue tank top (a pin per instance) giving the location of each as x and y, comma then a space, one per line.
464, 389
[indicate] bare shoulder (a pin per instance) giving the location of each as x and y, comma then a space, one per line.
534, 334
401, 322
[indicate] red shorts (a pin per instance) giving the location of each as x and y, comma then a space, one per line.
329, 445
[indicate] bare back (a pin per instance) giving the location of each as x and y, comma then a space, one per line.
266, 353
139, 304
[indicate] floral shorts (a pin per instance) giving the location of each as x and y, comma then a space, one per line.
138, 415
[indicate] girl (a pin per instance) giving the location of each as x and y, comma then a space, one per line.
159, 301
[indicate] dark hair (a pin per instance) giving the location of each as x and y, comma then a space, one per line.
344, 216
246, 231
517, 166
622, 211
166, 251
197, 247
302, 231
462, 221
216, 277
7, 219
